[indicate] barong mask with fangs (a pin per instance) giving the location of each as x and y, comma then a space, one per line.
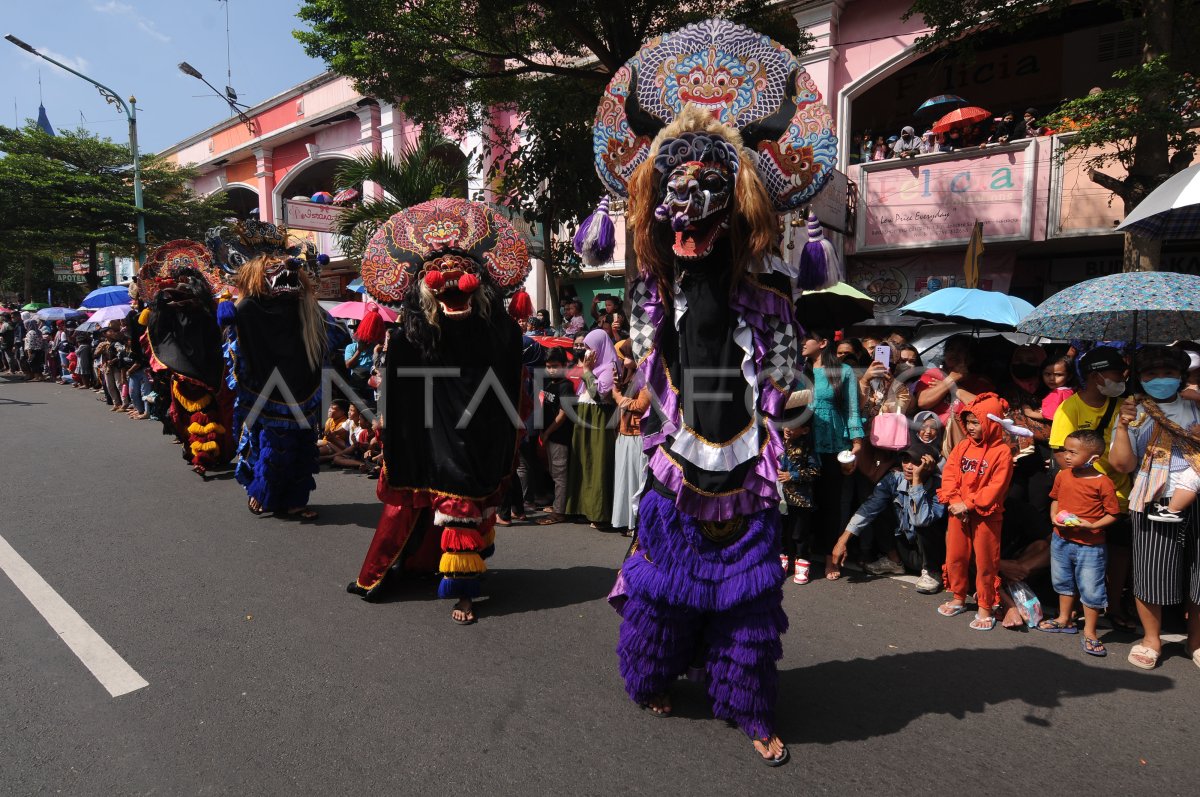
698, 175
282, 277
452, 278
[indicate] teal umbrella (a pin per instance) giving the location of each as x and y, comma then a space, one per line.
1140, 306
972, 307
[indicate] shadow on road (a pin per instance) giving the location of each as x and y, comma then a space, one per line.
364, 514
863, 698
514, 591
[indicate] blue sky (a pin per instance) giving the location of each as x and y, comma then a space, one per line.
133, 46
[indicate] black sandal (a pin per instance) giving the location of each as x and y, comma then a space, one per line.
250, 506
303, 514
779, 760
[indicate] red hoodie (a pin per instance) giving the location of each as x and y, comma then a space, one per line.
978, 474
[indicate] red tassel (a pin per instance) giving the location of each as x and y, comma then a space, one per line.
520, 307
201, 418
372, 329
459, 539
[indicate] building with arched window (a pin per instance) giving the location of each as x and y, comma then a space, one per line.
288, 148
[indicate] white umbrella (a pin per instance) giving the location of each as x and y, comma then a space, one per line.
1171, 211
113, 313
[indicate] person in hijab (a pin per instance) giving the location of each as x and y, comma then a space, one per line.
593, 444
908, 145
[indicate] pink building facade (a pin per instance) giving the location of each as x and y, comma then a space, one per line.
297, 140
904, 232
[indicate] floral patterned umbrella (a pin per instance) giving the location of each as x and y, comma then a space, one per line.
1141, 306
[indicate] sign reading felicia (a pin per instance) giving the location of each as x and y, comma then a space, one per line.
935, 200
310, 216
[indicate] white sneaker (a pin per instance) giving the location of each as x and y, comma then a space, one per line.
801, 577
1162, 514
927, 584
884, 567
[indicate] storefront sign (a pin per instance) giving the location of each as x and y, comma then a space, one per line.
299, 215
831, 204
896, 281
935, 200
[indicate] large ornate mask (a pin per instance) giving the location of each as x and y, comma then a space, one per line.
444, 248
183, 269
698, 172
741, 78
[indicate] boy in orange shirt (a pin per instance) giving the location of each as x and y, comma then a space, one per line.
975, 483
1083, 502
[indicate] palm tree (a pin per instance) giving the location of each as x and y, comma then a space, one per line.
419, 172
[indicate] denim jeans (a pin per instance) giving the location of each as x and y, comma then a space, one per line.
137, 388
1077, 569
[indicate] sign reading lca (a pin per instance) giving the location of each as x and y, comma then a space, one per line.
936, 200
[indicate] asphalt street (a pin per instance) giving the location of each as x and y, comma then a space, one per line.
266, 677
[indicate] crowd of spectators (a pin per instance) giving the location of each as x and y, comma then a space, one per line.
870, 146
1030, 472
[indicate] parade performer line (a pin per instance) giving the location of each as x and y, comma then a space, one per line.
113, 673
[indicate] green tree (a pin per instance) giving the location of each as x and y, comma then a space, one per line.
419, 172
74, 191
1145, 120
453, 63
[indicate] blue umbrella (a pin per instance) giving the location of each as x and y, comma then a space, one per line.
936, 106
357, 286
971, 306
107, 297
1141, 306
60, 314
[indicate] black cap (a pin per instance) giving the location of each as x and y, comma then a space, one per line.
1101, 358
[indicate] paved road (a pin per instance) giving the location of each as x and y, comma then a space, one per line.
266, 677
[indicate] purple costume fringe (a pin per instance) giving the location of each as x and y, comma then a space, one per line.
686, 597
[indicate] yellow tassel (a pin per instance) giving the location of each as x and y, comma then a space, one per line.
196, 447
144, 317
188, 404
464, 562
209, 428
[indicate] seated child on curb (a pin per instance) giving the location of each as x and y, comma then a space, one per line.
975, 483
334, 439
910, 491
1083, 503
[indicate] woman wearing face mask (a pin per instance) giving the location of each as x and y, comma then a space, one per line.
837, 427
1096, 406
1157, 436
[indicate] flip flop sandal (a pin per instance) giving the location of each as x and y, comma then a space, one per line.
955, 611
655, 712
978, 624
250, 506
1055, 627
1094, 647
779, 760
468, 617
1146, 653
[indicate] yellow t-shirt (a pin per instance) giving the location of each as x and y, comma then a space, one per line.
1075, 414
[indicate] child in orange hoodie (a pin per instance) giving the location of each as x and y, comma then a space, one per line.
974, 485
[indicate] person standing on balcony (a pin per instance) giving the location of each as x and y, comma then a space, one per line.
908, 145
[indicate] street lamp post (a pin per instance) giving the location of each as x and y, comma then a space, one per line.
130, 109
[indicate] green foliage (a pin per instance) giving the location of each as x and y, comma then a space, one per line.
452, 63
953, 21
74, 191
420, 172
1114, 117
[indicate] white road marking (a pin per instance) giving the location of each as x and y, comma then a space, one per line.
113, 673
